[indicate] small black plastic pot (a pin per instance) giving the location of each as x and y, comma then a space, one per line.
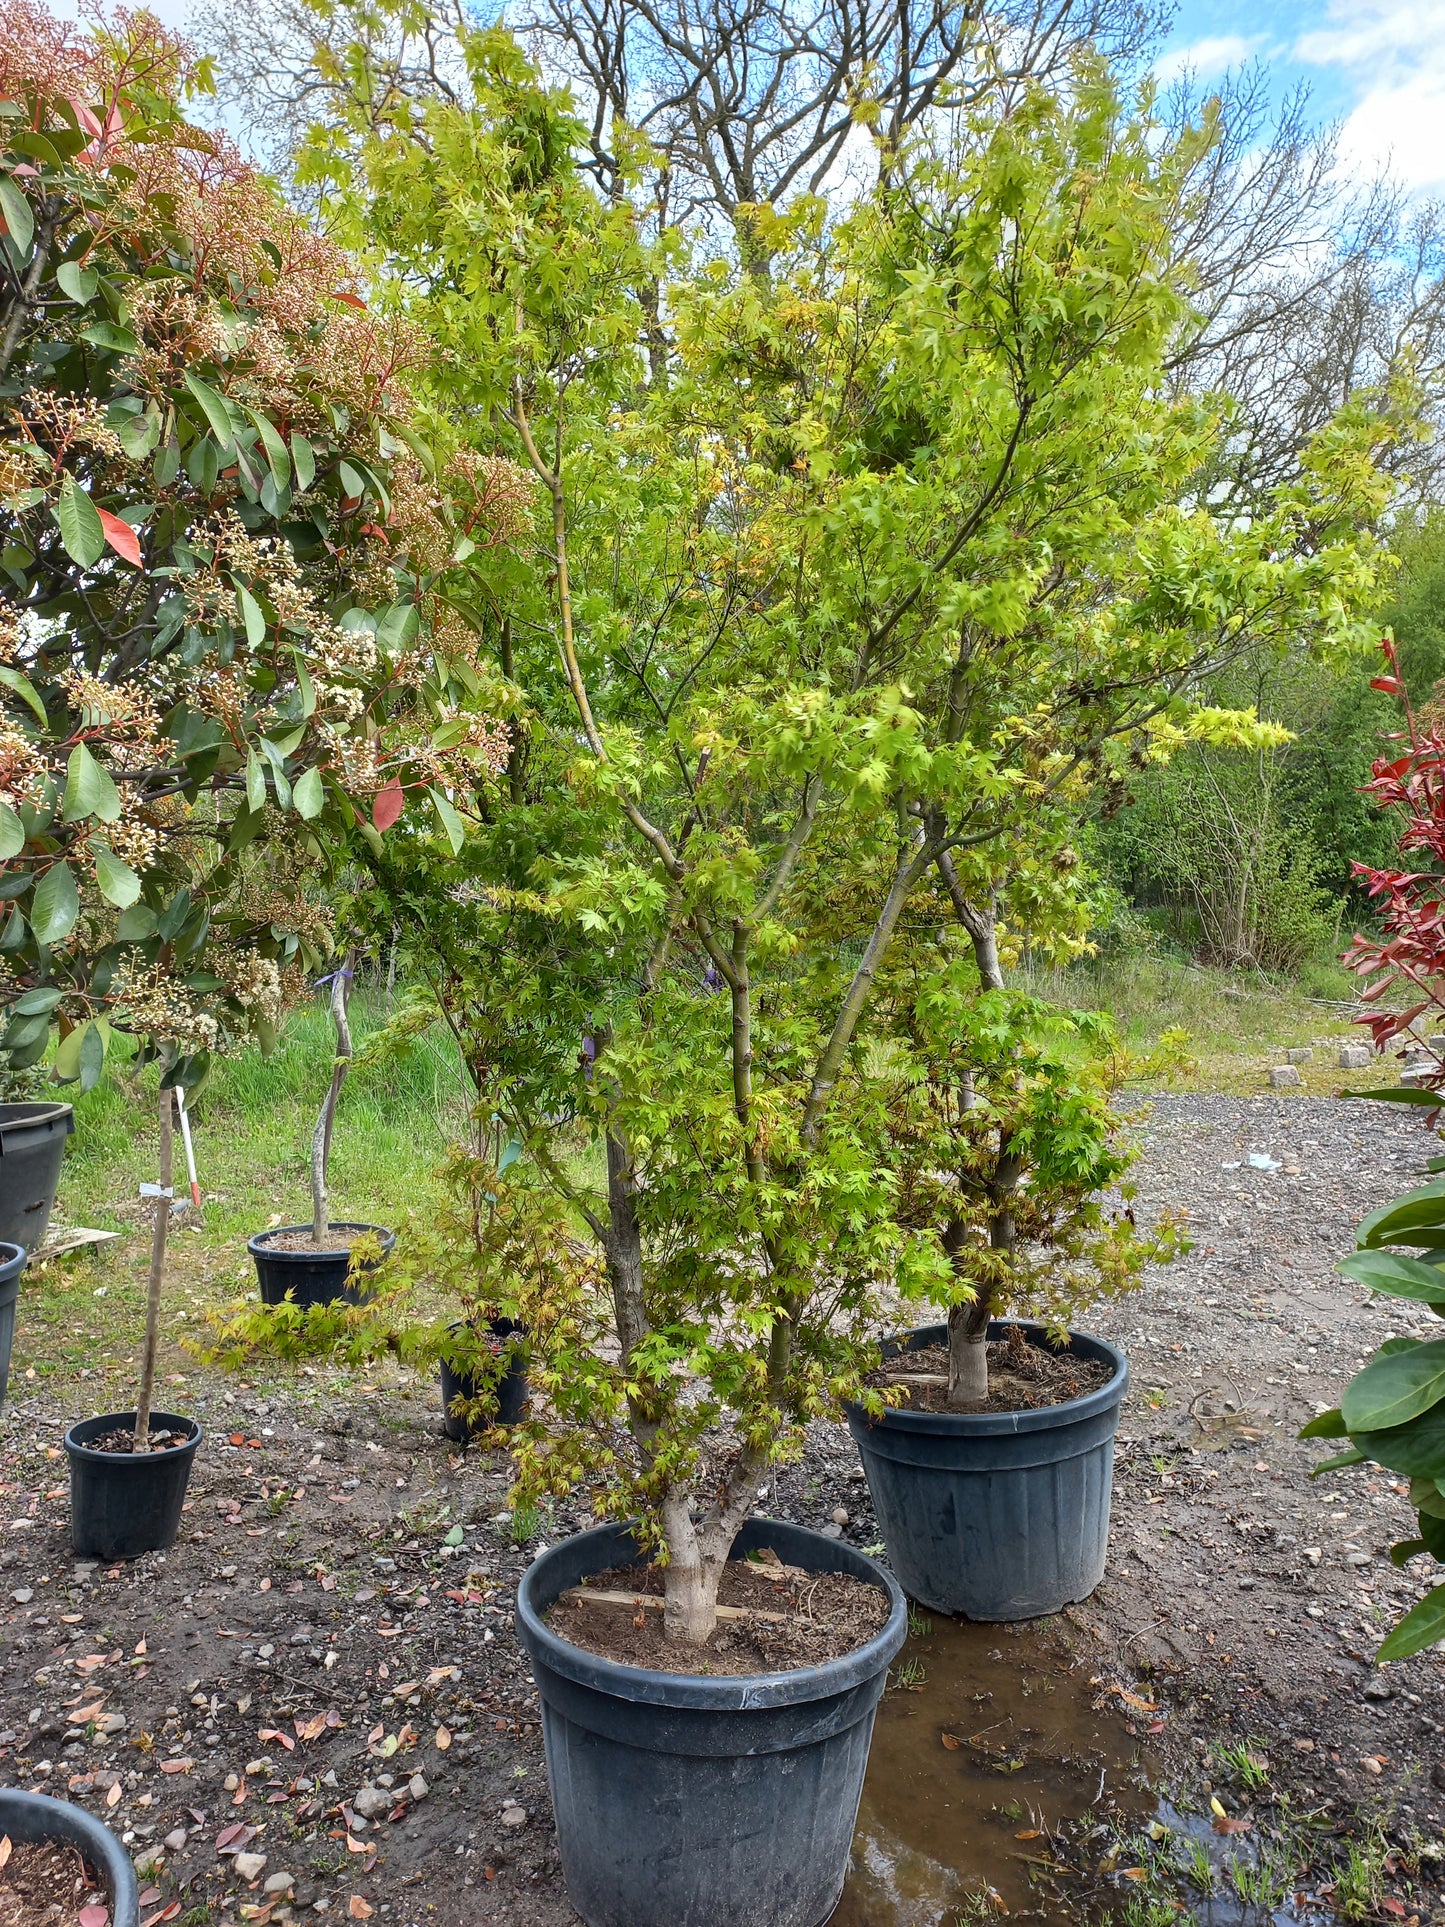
510, 1390
684, 1800
309, 1277
125, 1503
30, 1818
996, 1515
32, 1150
12, 1263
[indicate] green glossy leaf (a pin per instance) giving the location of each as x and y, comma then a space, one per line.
1426, 1496
450, 821
38, 1003
115, 339
306, 686
1416, 1449
167, 464
308, 793
139, 435
12, 833
56, 905
15, 932
24, 688
18, 217
1422, 1626
1421, 1210
252, 616
92, 1056
255, 782
137, 924
89, 789
77, 283
352, 480
1325, 1425
80, 527
214, 408
1404, 1550
1341, 1459
1391, 1272
277, 460
303, 458
1404, 1094
118, 882
67, 1055
1395, 1387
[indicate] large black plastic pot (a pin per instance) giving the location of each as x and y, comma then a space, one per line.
310, 1277
12, 1263
123, 1503
30, 1818
510, 1390
32, 1149
996, 1515
688, 1801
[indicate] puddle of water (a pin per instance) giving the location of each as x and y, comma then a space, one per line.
944, 1826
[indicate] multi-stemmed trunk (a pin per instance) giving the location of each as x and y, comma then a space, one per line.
321, 1136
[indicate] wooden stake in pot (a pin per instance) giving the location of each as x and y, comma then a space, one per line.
158, 1272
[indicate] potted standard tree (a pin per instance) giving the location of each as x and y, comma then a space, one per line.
198, 682
757, 537
991, 1470
318, 1263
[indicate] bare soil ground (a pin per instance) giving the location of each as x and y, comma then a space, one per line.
326, 1660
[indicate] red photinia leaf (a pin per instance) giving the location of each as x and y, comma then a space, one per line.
388, 805
351, 300
121, 537
87, 119
1391, 685
275, 1733
94, 1916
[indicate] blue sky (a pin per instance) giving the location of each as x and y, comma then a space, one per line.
1376, 66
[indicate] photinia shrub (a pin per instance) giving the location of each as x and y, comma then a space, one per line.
226, 651
1393, 1411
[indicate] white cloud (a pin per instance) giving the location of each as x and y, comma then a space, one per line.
1391, 55
1215, 54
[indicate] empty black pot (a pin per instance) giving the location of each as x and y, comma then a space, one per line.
996, 1515
309, 1277
125, 1503
12, 1263
32, 1149
510, 1390
30, 1818
684, 1800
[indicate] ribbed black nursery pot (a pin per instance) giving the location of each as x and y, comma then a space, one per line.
996, 1515
31, 1818
125, 1503
684, 1800
12, 1263
511, 1389
32, 1150
312, 1276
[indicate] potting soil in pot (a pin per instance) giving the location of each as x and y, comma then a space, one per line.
123, 1440
45, 1884
1021, 1377
339, 1237
794, 1619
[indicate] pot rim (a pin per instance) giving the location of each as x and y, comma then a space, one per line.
78, 1449
259, 1246
1041, 1418
12, 1261
103, 1849
699, 1691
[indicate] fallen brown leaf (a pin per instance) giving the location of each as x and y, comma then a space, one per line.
951, 1741
6, 1849
358, 1908
443, 1739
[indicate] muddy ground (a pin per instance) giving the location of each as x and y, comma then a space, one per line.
323, 1676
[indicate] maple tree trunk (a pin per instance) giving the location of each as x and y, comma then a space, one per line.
321, 1136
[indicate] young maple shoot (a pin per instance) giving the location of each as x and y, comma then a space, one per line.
850, 573
339, 1001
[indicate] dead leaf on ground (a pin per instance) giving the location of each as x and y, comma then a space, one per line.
112, 1799
951, 1741
1227, 1824
443, 1739
359, 1909
6, 1849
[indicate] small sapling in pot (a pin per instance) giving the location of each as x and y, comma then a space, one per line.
318, 1263
129, 1470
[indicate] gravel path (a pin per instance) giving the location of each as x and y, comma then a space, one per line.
316, 1578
